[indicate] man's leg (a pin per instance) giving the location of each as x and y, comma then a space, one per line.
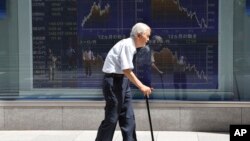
112, 109
127, 118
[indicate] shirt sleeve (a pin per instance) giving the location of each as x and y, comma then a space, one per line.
126, 57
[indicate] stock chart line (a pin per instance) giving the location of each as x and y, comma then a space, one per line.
202, 22
200, 74
183, 14
96, 10
166, 58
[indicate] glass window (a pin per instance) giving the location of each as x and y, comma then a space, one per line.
56, 49
241, 49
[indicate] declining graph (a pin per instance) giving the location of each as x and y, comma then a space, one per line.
167, 61
202, 22
200, 74
183, 14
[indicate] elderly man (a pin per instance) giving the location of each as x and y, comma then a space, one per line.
118, 67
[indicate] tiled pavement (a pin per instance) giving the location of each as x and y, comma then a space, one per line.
80, 135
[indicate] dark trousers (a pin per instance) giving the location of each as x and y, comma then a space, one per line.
118, 107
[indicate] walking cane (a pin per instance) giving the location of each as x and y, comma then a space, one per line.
149, 118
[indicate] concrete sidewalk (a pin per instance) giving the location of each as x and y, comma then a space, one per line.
78, 135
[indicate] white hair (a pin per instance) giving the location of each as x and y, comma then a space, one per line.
139, 28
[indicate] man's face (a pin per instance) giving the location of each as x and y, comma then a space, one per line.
144, 38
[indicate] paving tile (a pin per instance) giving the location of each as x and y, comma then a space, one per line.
57, 136
117, 136
90, 135
18, 135
177, 136
213, 136
146, 135
86, 136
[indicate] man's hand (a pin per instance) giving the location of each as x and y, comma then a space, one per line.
146, 90
131, 76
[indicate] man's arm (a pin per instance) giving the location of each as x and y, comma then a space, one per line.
131, 76
156, 68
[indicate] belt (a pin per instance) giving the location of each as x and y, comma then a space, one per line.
113, 75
